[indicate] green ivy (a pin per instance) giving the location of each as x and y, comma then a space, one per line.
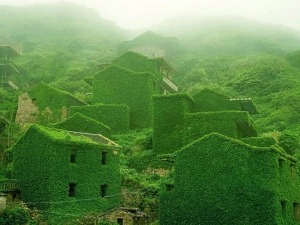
116, 85
219, 180
42, 164
114, 116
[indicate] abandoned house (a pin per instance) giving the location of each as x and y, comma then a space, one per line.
152, 45
179, 119
66, 173
131, 80
219, 180
116, 85
44, 104
8, 50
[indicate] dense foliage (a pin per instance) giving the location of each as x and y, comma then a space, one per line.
228, 182
59, 159
63, 44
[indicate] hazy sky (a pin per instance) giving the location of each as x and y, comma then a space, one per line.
134, 14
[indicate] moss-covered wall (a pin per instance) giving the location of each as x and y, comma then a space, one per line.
114, 116
116, 85
80, 123
234, 124
169, 121
44, 169
222, 181
207, 100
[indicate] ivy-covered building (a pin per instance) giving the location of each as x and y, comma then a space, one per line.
159, 67
131, 80
66, 174
179, 119
116, 85
222, 181
44, 104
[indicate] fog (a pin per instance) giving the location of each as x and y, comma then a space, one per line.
137, 14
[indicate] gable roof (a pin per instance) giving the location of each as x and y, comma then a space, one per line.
210, 92
140, 63
54, 135
216, 138
80, 123
121, 71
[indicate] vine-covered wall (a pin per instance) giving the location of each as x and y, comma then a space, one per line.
80, 123
63, 174
174, 126
219, 180
169, 122
234, 124
116, 85
114, 116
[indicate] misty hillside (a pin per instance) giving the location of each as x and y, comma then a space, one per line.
58, 39
63, 43
230, 35
241, 58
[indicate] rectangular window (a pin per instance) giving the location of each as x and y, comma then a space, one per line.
283, 207
103, 157
103, 190
280, 163
73, 156
72, 189
296, 211
169, 187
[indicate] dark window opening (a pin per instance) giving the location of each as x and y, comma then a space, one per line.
297, 211
103, 157
103, 190
283, 208
280, 163
120, 221
72, 188
73, 156
169, 187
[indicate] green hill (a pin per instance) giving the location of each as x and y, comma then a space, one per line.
230, 35
59, 40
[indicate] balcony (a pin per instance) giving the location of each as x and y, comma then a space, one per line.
169, 85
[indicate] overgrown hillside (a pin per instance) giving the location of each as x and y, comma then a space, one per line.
60, 42
242, 58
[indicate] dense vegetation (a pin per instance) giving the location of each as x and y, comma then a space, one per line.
64, 43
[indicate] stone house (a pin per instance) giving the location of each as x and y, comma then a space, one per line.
179, 119
220, 180
62, 172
